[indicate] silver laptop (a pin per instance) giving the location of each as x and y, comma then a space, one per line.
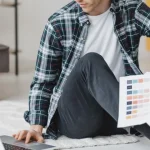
10, 143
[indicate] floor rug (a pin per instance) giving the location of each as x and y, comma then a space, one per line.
11, 121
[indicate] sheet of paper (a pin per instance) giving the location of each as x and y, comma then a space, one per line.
134, 100
147, 73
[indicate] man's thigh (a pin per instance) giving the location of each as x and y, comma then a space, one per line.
79, 112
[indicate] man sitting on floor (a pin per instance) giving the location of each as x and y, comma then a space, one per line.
85, 48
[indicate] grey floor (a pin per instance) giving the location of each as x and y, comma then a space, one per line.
17, 88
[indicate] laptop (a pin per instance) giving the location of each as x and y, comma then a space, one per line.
10, 143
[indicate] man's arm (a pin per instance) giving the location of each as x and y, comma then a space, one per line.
142, 19
48, 64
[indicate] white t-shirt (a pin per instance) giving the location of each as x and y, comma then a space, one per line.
103, 40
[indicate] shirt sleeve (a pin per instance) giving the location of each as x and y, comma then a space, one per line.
48, 66
142, 19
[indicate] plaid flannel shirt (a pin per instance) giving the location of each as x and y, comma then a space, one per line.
62, 42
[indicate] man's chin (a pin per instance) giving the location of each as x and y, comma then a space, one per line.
85, 10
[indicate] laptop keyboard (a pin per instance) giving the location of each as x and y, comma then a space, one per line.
12, 147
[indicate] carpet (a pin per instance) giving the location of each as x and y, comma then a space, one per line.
11, 121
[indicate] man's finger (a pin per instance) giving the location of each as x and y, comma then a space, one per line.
17, 135
36, 135
14, 135
22, 135
28, 137
40, 140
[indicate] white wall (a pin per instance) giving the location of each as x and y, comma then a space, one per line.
33, 15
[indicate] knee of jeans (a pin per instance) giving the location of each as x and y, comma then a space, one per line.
93, 58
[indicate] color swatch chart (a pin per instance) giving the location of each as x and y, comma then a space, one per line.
134, 100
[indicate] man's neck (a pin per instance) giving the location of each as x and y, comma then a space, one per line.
101, 8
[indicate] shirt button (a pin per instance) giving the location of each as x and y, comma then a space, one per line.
111, 9
83, 39
76, 56
87, 22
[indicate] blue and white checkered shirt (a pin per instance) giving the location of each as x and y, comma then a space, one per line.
60, 48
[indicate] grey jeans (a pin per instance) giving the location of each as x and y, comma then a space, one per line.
90, 100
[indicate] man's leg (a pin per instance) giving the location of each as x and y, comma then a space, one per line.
90, 100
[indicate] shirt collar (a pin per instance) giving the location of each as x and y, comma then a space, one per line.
83, 18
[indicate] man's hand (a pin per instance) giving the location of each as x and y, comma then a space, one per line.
35, 133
